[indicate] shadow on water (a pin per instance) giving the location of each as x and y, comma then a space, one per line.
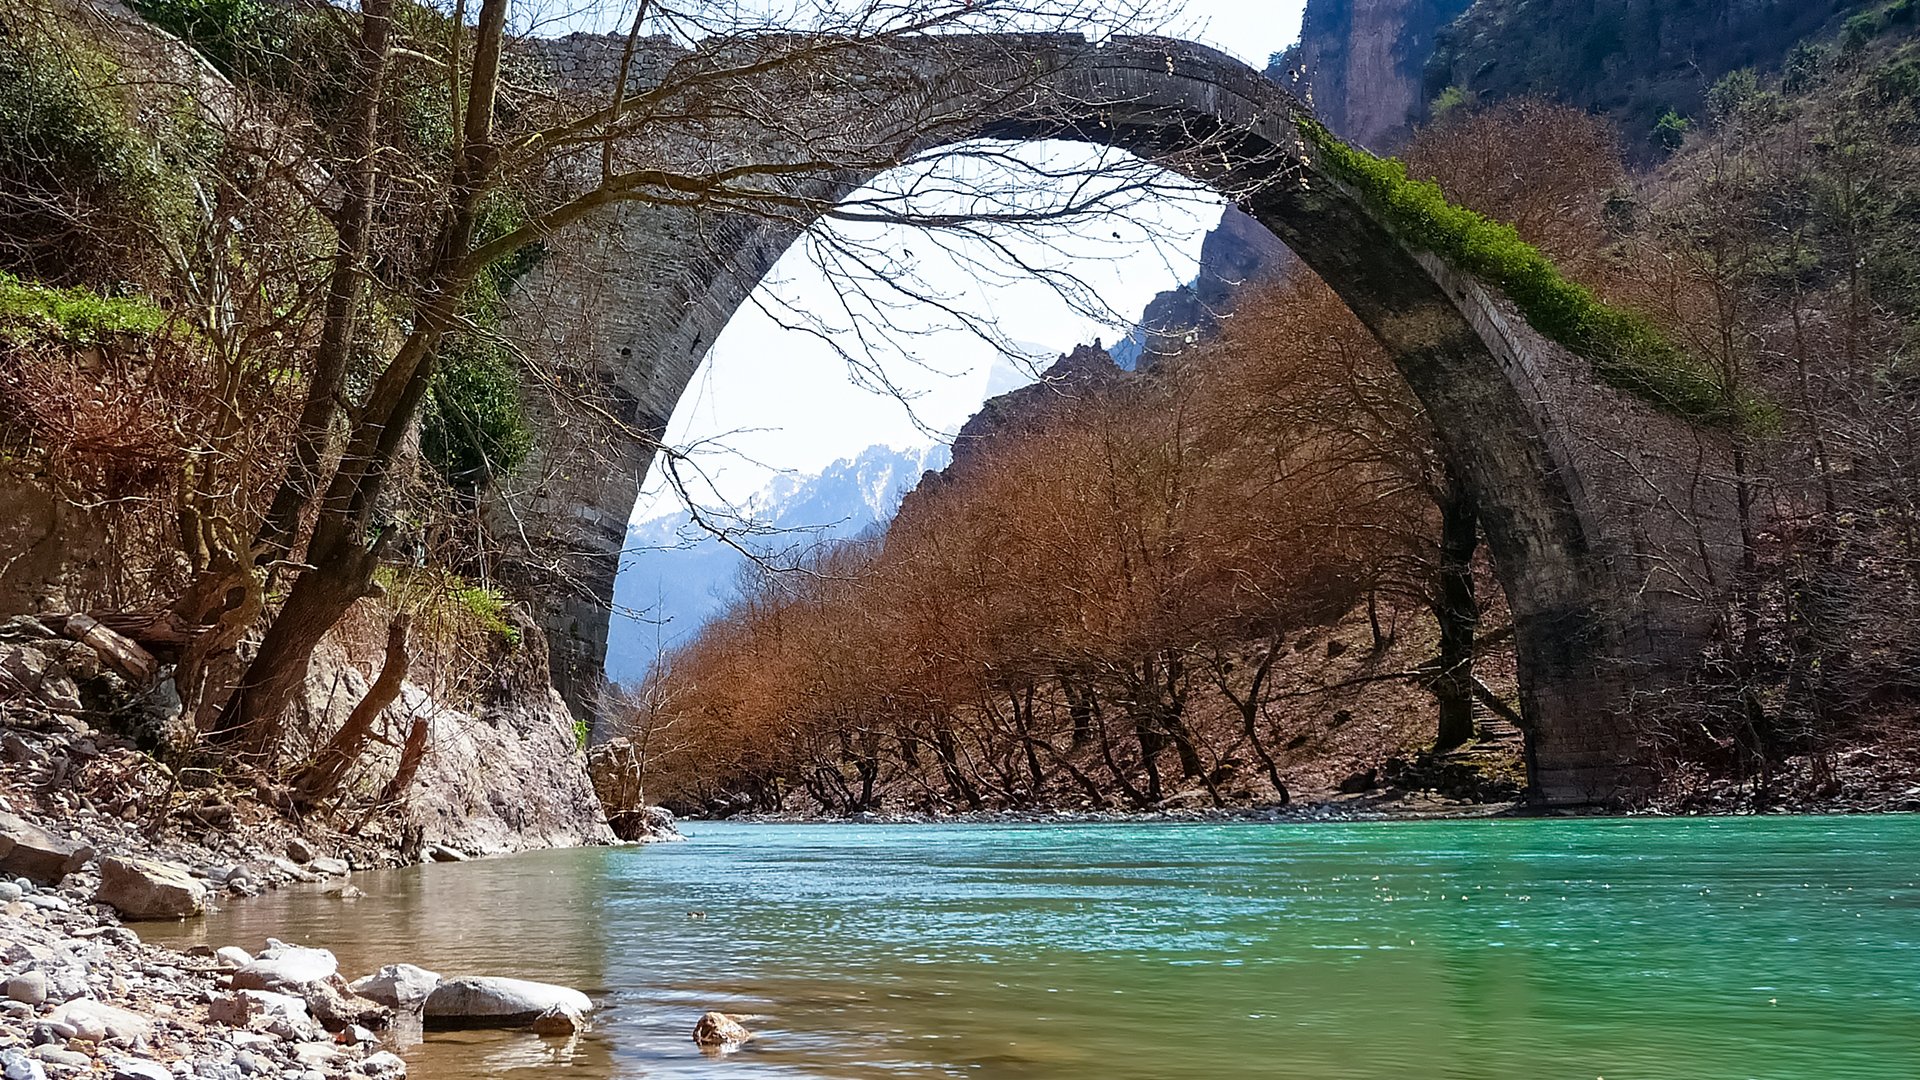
1711, 949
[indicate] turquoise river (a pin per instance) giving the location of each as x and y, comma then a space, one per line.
1587, 949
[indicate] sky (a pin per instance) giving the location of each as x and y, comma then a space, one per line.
770, 398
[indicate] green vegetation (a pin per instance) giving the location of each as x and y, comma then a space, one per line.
75, 314
1670, 130
1864, 27
1626, 349
1453, 97
77, 179
447, 603
240, 37
487, 606
473, 427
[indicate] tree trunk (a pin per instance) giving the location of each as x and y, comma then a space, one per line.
345, 546
411, 755
313, 436
320, 780
1458, 612
252, 721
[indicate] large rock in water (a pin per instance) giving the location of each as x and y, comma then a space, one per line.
33, 853
398, 986
286, 968
145, 889
717, 1029
483, 1001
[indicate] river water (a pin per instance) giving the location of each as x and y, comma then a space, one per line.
1708, 949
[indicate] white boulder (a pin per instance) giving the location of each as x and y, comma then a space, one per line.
286, 968
485, 1001
398, 986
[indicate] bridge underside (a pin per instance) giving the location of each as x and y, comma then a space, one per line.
1599, 520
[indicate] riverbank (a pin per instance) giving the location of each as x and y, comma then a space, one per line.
85, 996
1379, 806
93, 828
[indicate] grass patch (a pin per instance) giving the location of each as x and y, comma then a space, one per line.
77, 315
1627, 350
446, 603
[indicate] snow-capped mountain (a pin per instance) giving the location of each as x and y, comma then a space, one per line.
676, 576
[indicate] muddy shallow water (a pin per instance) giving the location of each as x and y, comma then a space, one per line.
1704, 949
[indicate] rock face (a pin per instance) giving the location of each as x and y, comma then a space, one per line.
146, 889
1031, 407
1630, 59
506, 775
32, 853
1364, 64
483, 1001
1238, 252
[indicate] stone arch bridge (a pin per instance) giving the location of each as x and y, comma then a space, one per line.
1603, 527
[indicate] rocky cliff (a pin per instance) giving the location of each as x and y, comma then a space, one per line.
1361, 63
1631, 59
505, 770
1238, 251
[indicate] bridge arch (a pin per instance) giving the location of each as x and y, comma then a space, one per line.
1602, 546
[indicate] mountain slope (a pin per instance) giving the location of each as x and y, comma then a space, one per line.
1630, 59
676, 571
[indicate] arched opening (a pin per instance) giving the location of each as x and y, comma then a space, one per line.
1582, 532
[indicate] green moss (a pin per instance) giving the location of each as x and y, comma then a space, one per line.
77, 315
1626, 349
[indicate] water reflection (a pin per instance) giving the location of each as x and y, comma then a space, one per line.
1469, 950
538, 916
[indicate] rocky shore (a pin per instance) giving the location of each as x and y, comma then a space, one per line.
86, 997
96, 832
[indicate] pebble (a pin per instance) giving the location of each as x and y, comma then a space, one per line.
210, 1069
57, 1055
29, 987
16, 1065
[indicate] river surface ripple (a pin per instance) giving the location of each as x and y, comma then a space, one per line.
1687, 949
